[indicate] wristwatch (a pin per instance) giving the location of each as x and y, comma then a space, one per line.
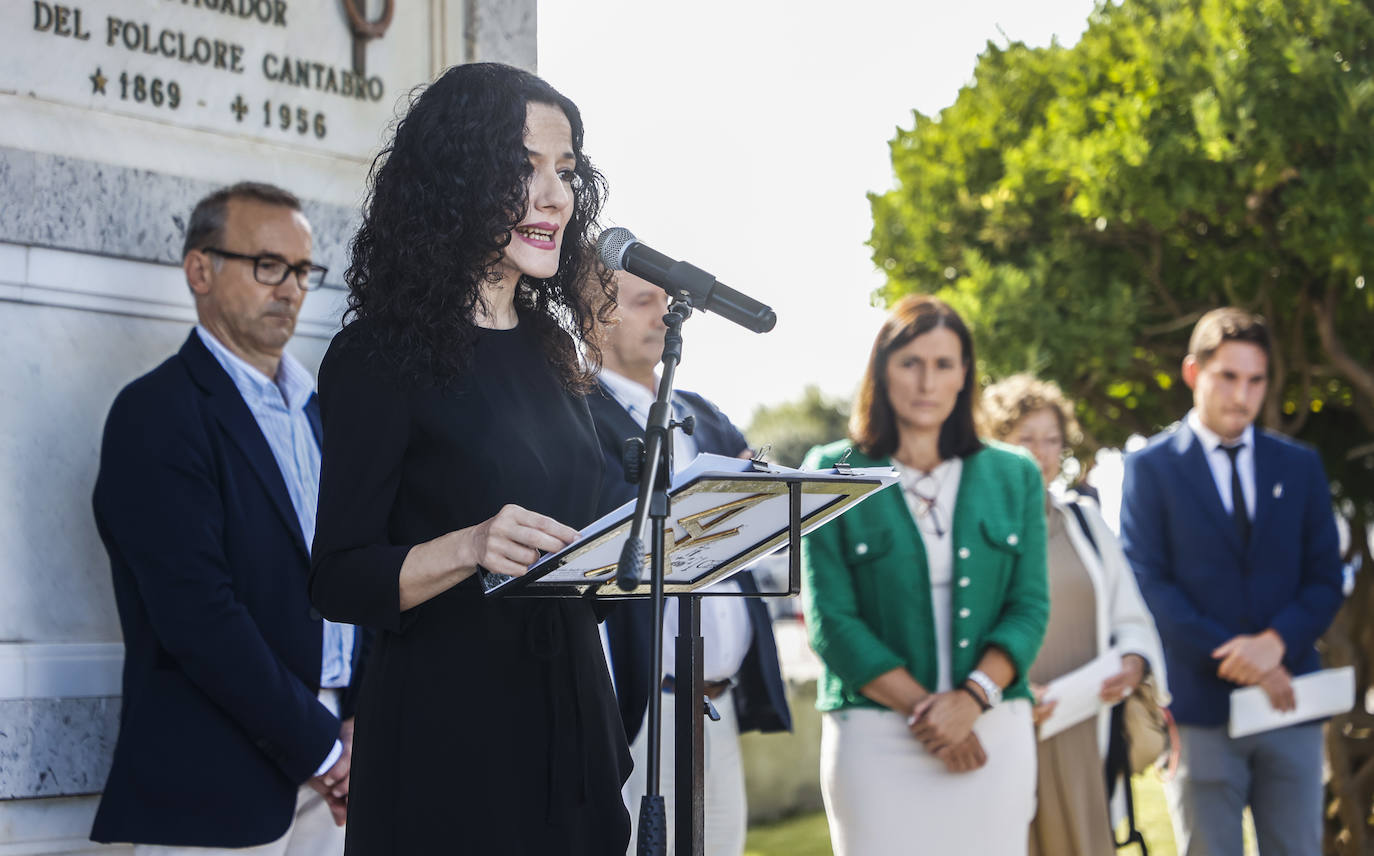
987, 685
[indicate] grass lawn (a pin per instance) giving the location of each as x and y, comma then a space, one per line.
810, 836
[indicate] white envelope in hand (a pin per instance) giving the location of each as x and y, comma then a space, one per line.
1319, 694
1078, 693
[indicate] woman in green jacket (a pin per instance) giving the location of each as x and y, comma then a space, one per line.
927, 606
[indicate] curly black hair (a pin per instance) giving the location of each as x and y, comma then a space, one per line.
443, 196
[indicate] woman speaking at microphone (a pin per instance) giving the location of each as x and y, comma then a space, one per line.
457, 442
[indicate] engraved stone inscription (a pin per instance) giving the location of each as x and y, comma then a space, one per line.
292, 72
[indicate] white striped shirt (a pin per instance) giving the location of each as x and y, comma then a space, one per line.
724, 620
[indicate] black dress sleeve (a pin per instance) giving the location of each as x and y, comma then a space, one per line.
355, 566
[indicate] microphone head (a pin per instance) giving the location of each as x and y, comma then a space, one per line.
611, 246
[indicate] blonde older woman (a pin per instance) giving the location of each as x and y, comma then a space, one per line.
1094, 606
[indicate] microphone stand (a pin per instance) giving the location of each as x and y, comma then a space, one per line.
654, 470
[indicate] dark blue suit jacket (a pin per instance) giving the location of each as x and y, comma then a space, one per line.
220, 722
760, 697
1203, 585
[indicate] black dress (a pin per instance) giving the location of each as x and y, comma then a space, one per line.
484, 727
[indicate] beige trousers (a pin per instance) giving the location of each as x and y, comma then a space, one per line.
1071, 818
312, 833
725, 810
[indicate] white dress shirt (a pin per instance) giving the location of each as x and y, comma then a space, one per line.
1220, 462
936, 526
724, 620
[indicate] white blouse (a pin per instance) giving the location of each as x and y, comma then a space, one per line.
930, 497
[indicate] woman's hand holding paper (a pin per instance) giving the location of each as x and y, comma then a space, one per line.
1124, 682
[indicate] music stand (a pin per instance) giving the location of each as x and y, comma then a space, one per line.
797, 502
724, 514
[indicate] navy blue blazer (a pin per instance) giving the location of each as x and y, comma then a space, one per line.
759, 695
1203, 585
220, 722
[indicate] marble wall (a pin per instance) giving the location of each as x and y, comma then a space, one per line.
92, 211
91, 207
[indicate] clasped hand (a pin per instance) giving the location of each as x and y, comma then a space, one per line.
1278, 686
1258, 660
943, 722
1246, 660
333, 783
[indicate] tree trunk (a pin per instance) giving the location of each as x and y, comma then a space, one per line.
1350, 738
1359, 376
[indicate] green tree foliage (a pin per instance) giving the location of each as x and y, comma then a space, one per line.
793, 427
1082, 207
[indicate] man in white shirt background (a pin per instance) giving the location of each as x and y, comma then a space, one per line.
740, 666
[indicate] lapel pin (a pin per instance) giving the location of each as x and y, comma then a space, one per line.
1278, 490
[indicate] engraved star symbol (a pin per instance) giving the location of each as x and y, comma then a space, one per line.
239, 108
98, 82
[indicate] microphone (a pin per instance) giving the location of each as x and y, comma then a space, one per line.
619, 249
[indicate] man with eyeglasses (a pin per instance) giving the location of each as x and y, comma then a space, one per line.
236, 728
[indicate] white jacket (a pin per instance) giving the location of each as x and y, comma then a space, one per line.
1123, 621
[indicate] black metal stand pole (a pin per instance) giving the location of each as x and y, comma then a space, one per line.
689, 751
690, 771
653, 820
652, 507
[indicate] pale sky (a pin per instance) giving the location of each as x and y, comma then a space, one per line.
742, 137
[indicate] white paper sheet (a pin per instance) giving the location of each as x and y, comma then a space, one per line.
1079, 693
1318, 694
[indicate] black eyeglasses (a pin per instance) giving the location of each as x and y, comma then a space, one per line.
271, 270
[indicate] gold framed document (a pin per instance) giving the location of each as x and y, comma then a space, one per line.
726, 514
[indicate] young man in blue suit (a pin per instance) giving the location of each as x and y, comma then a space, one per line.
235, 730
1232, 536
741, 657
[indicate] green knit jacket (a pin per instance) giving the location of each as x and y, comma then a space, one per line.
866, 586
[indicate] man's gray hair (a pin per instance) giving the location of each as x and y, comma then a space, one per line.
207, 218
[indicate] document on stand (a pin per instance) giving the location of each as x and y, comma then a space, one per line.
725, 514
1319, 694
1078, 693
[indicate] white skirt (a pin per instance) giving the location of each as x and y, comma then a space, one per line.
885, 794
